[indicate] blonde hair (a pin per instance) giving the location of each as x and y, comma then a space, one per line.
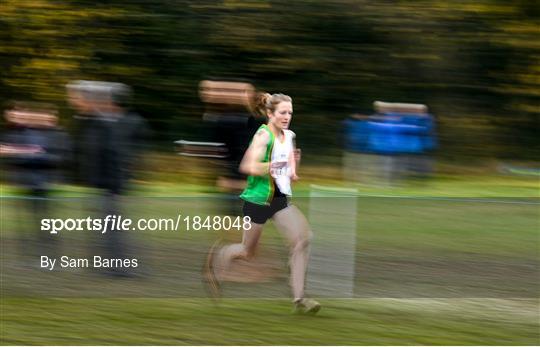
265, 102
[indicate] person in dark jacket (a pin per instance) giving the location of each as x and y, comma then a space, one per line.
33, 150
110, 139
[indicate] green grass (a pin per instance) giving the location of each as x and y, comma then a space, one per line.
268, 322
429, 270
441, 185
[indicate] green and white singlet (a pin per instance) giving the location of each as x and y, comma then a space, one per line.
260, 189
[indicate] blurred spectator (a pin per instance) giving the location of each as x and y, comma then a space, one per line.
33, 149
390, 145
109, 141
229, 108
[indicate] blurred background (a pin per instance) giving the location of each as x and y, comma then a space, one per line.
474, 64
418, 125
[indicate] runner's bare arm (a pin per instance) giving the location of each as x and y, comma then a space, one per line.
294, 160
251, 163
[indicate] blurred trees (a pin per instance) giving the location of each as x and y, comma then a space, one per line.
476, 65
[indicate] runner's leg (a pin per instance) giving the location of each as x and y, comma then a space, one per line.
245, 250
294, 226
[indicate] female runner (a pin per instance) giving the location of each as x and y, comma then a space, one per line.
270, 165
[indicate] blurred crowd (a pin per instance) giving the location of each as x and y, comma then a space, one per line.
100, 154
105, 146
394, 143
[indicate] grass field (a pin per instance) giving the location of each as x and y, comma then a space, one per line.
268, 322
450, 262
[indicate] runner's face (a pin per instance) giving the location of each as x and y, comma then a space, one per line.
281, 117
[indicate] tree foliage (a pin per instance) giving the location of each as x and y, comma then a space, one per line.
476, 65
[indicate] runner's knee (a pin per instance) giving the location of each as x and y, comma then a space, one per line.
302, 242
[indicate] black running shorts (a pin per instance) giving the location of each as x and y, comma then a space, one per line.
261, 213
